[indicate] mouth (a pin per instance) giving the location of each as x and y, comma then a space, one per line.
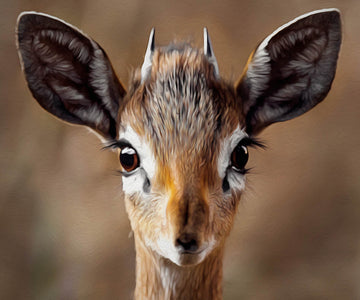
189, 252
189, 258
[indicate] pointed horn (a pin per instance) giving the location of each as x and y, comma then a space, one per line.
146, 67
209, 53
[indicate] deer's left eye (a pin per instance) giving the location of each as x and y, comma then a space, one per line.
129, 159
239, 158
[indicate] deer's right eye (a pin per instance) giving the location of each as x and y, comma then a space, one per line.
129, 159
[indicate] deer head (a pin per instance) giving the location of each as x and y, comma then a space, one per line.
182, 132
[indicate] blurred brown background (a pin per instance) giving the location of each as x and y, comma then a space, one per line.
64, 233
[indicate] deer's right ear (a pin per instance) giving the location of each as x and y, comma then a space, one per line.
291, 70
68, 73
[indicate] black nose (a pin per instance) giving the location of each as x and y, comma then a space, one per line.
187, 244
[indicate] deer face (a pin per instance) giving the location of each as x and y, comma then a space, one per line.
181, 131
183, 191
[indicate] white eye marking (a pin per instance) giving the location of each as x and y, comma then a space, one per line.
227, 147
236, 180
135, 182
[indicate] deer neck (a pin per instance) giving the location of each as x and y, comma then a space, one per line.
159, 278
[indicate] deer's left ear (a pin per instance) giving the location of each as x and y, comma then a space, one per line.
291, 70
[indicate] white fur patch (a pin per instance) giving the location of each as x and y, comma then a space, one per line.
236, 180
134, 183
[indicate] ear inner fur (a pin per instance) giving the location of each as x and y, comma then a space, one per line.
291, 71
68, 73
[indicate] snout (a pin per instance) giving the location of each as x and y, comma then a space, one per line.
188, 219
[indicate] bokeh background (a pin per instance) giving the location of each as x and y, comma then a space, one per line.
64, 233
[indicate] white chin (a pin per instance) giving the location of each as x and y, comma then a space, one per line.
189, 259
186, 259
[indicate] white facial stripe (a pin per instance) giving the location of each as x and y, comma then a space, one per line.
135, 182
227, 146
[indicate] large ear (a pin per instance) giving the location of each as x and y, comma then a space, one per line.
291, 70
68, 73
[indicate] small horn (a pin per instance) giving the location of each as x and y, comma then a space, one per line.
146, 67
209, 53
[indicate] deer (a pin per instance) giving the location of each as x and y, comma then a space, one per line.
181, 130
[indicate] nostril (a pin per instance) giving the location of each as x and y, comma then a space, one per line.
189, 245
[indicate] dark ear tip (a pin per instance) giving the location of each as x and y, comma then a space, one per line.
26, 17
25, 22
333, 19
334, 11
334, 14
31, 20
331, 14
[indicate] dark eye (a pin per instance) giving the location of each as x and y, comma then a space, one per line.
239, 158
129, 159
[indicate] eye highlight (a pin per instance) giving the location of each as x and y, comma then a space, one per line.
129, 159
239, 158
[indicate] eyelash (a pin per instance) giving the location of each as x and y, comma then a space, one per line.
253, 142
116, 145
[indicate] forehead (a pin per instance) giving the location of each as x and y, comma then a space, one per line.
183, 106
